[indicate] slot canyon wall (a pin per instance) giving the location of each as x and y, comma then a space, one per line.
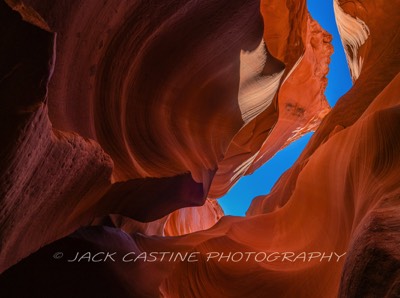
123, 122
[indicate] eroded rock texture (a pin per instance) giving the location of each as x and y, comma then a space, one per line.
117, 114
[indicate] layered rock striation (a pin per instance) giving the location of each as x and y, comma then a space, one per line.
124, 121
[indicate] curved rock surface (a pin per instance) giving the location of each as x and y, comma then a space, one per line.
179, 108
121, 113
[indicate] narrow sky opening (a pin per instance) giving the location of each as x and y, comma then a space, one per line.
339, 80
238, 199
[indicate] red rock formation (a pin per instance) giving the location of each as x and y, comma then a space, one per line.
193, 124
341, 195
184, 98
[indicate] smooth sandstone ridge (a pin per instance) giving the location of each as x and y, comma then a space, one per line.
123, 122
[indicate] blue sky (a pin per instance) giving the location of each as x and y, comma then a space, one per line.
238, 199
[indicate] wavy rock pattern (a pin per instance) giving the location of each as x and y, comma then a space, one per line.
121, 113
190, 134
